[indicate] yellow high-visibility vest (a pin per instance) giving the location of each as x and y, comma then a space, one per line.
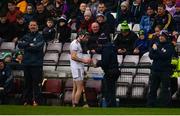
176, 62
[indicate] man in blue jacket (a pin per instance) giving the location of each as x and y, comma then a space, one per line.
32, 43
161, 53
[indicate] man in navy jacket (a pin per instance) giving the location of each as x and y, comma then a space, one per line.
161, 53
32, 43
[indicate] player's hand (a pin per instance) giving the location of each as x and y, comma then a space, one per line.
87, 61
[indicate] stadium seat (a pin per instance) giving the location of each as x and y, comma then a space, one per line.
66, 47
122, 90
50, 61
54, 47
97, 56
131, 60
96, 84
18, 73
144, 71
68, 84
145, 60
93, 91
143, 79
7, 46
51, 58
131, 71
64, 59
136, 28
120, 59
65, 69
139, 91
114, 14
52, 88
125, 79
67, 97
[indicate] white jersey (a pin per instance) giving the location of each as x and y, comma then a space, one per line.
76, 46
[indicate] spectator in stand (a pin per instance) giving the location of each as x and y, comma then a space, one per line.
141, 44
93, 4
12, 12
111, 5
29, 15
41, 16
153, 3
80, 15
163, 18
6, 80
147, 20
177, 17
154, 38
6, 31
94, 35
137, 10
170, 7
104, 26
22, 5
63, 30
20, 28
109, 17
86, 23
49, 6
18, 57
73, 8
7, 57
49, 31
125, 40
62, 8
161, 54
32, 43
123, 13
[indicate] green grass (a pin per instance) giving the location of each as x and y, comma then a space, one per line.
60, 110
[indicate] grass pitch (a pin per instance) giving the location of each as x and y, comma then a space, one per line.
60, 110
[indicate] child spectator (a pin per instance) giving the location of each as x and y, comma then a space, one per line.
49, 31
64, 32
141, 44
18, 57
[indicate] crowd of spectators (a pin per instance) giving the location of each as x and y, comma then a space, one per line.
95, 16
